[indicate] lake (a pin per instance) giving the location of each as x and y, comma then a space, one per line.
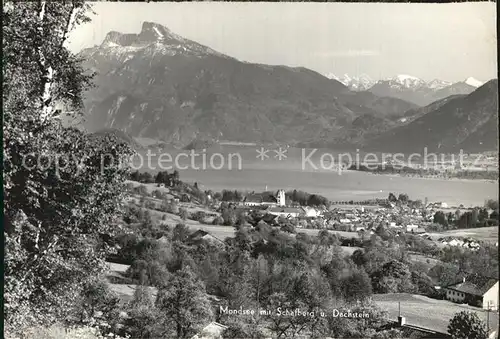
313, 171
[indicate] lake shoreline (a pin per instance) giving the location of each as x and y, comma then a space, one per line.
430, 178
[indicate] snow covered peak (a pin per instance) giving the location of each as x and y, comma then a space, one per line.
404, 77
407, 81
403, 82
332, 76
438, 84
357, 83
473, 82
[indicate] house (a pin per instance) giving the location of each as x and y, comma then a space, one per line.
411, 228
475, 290
288, 212
201, 235
213, 330
270, 219
438, 205
311, 212
419, 230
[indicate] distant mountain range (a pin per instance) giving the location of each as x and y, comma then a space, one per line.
408, 88
467, 122
355, 83
158, 85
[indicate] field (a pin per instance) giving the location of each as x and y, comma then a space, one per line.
489, 234
426, 312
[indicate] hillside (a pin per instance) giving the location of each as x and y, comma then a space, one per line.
462, 122
158, 85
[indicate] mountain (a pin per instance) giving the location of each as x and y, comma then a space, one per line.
420, 92
437, 84
473, 82
355, 83
158, 85
467, 122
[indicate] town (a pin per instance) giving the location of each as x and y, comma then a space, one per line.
433, 234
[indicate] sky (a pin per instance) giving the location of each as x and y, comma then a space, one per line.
431, 41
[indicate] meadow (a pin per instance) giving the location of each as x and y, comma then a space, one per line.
489, 234
426, 312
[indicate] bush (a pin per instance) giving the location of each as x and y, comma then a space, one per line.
218, 221
199, 216
467, 325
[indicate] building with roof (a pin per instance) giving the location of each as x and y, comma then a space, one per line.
475, 290
201, 235
414, 332
258, 199
270, 219
213, 330
411, 228
287, 212
311, 212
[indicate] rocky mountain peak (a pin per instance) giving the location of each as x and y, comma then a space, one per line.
152, 31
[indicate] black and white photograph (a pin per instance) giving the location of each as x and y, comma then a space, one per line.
250, 170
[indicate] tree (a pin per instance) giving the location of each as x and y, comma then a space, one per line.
392, 277
218, 221
183, 213
142, 320
147, 178
162, 177
403, 198
181, 232
359, 257
445, 274
440, 218
491, 204
62, 188
467, 325
97, 298
229, 217
356, 286
483, 214
174, 178
184, 303
134, 176
466, 220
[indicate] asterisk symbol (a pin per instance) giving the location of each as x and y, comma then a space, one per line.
262, 154
280, 154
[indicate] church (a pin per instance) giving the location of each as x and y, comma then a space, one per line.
266, 199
